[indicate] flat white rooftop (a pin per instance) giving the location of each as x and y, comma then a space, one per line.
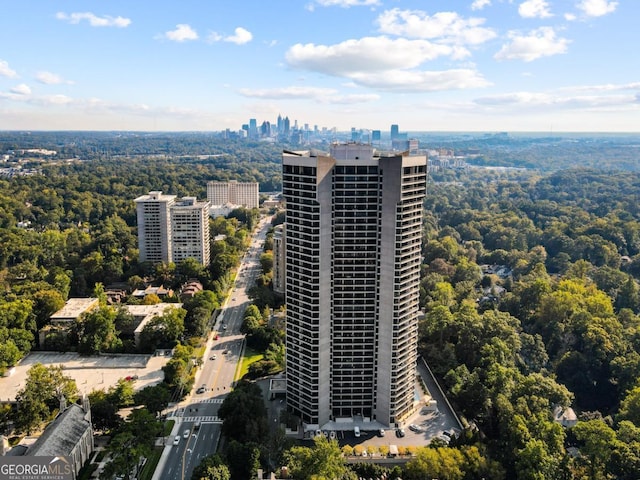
73, 308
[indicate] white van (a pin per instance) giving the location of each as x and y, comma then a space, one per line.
356, 431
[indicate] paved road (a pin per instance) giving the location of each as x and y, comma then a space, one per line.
217, 375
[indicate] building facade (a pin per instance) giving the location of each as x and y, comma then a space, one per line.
154, 227
245, 194
190, 230
279, 262
172, 231
353, 254
69, 435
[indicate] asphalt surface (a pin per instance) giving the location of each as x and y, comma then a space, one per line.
216, 377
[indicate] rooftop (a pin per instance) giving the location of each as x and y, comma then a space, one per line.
63, 434
74, 308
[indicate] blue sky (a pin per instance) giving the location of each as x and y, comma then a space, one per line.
427, 65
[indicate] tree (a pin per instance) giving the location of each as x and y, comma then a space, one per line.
10, 354
211, 468
45, 304
323, 461
97, 331
135, 439
164, 331
597, 441
155, 398
122, 393
442, 463
630, 407
104, 413
243, 459
16, 314
44, 389
243, 414
535, 462
190, 268
266, 262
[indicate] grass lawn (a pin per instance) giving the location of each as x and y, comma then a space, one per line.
168, 426
250, 356
150, 466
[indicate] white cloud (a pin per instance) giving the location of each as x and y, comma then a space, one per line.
541, 42
534, 100
386, 64
425, 81
287, 92
480, 4
596, 8
345, 3
351, 99
21, 89
367, 55
49, 78
570, 17
534, 9
56, 100
182, 33
608, 87
447, 26
240, 37
320, 95
94, 20
6, 71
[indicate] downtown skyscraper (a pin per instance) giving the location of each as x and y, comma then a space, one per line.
353, 255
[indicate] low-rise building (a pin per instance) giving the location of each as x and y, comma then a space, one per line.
69, 435
73, 309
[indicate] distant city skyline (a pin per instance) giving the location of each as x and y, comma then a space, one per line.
460, 65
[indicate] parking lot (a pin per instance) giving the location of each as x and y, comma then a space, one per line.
90, 373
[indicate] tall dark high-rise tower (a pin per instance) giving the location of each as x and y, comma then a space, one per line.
353, 254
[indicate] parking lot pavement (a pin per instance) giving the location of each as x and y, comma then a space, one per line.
90, 373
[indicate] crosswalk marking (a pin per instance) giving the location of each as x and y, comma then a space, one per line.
203, 419
212, 400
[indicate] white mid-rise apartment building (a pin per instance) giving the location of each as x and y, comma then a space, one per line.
154, 227
190, 230
353, 255
171, 230
244, 194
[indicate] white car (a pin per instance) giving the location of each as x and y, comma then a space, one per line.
186, 433
176, 440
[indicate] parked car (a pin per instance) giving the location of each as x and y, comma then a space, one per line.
415, 428
400, 432
381, 432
